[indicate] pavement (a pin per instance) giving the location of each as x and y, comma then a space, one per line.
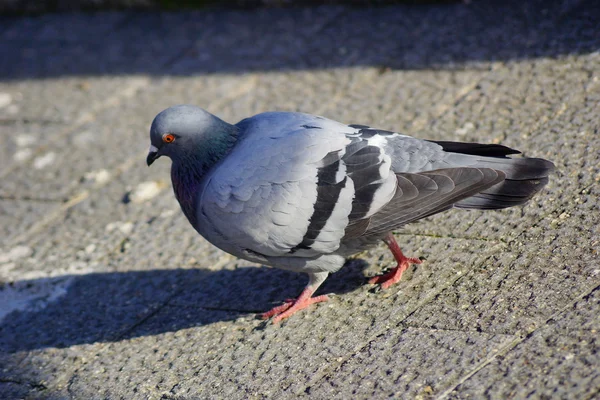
108, 293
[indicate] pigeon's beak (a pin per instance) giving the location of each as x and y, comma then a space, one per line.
152, 155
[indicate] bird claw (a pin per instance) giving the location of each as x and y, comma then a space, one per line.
277, 310
388, 279
291, 306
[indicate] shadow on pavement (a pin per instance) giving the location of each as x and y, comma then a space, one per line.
102, 307
237, 41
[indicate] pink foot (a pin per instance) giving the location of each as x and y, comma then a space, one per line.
279, 309
315, 279
291, 306
394, 276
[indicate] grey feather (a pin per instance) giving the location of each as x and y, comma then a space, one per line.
438, 190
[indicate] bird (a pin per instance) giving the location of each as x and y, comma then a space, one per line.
303, 193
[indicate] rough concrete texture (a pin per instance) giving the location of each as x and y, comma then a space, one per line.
40, 6
108, 293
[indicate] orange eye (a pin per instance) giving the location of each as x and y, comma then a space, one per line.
168, 138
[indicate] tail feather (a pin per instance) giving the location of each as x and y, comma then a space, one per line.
524, 176
508, 193
477, 149
518, 168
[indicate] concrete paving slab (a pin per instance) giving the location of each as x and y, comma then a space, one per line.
80, 144
212, 300
48, 28
419, 364
111, 294
71, 100
22, 142
556, 361
18, 216
95, 44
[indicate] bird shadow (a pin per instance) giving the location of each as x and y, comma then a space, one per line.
402, 36
113, 306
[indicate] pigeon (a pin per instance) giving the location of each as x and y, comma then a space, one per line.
303, 193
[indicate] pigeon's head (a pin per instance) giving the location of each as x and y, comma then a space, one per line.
182, 130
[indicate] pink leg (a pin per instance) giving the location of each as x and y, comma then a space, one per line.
304, 300
394, 276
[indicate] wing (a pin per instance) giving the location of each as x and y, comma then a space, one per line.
419, 195
436, 175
